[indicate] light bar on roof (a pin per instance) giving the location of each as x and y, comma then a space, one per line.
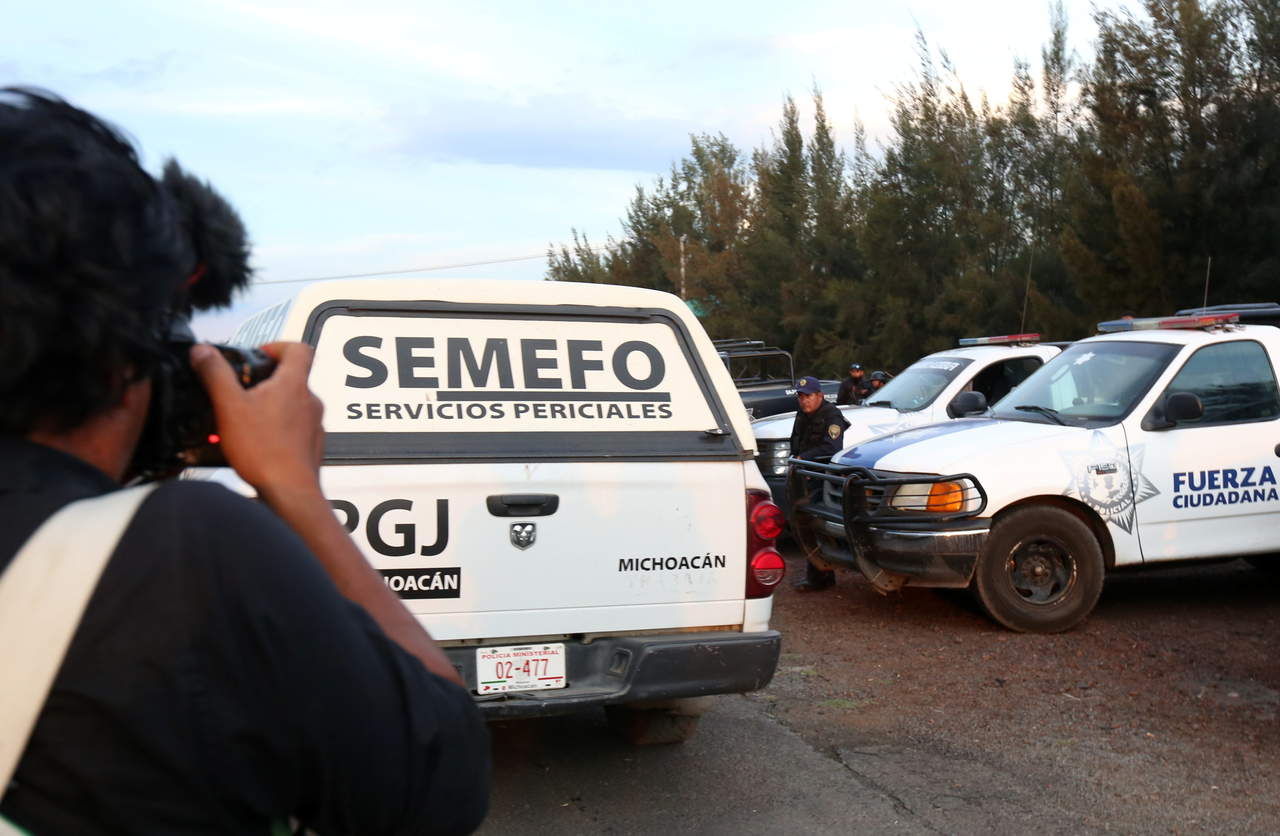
1003, 340
1152, 323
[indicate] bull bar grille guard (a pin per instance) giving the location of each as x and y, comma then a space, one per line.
856, 483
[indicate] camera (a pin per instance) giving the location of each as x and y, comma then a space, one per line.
181, 431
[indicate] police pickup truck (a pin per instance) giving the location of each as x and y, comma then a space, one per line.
931, 389
557, 479
765, 376
1153, 442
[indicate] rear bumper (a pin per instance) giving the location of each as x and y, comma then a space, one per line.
631, 668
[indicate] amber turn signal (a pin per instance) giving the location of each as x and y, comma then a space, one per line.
946, 496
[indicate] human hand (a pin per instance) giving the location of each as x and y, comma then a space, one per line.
271, 434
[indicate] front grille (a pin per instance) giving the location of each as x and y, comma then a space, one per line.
872, 495
871, 491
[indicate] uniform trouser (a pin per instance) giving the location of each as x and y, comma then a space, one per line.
812, 574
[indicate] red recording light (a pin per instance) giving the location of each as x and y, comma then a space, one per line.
214, 438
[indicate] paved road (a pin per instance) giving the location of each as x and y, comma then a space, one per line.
741, 773
745, 773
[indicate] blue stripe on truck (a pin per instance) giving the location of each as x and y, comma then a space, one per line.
869, 453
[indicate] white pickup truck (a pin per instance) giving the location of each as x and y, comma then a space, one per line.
1154, 442
557, 479
929, 390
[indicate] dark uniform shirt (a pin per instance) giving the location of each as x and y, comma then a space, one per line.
818, 433
218, 682
852, 391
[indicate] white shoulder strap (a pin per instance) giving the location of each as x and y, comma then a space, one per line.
43, 594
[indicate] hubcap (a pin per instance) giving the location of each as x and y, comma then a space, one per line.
1041, 570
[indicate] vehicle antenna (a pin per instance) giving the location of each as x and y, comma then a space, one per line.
1207, 268
1026, 293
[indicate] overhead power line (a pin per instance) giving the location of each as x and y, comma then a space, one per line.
416, 269
405, 270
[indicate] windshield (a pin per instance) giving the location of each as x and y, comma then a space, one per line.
919, 385
1089, 384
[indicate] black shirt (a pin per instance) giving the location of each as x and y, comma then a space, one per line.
852, 391
219, 681
818, 433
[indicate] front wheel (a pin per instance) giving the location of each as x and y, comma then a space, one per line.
1041, 570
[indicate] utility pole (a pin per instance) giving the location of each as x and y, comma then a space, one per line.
682, 237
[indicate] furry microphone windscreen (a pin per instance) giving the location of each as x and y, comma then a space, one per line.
218, 236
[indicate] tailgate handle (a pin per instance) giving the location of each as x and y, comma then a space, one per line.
523, 504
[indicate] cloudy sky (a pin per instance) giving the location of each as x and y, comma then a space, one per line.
390, 135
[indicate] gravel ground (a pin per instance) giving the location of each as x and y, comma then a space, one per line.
1158, 715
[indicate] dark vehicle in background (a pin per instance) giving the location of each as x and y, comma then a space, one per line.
765, 376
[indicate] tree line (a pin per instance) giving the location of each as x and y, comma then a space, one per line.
1098, 189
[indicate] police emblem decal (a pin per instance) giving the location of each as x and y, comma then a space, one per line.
1103, 478
523, 534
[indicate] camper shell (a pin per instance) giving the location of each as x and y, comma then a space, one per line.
557, 479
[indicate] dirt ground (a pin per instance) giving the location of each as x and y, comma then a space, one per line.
1157, 715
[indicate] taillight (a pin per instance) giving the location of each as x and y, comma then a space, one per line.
767, 521
765, 567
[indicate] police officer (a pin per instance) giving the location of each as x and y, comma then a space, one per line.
818, 432
876, 382
854, 387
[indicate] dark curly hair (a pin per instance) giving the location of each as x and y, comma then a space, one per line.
97, 259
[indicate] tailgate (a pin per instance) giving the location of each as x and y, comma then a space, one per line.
492, 550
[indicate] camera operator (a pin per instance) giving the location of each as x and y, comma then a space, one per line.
239, 663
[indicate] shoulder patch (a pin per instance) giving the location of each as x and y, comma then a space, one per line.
834, 430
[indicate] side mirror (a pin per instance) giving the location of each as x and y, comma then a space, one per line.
1174, 407
967, 403
1183, 406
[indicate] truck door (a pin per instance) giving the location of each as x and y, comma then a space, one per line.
1216, 476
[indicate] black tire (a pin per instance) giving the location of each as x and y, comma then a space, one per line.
1041, 570
641, 724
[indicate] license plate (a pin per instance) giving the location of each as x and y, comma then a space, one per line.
529, 667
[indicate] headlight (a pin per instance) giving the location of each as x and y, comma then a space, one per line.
949, 497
